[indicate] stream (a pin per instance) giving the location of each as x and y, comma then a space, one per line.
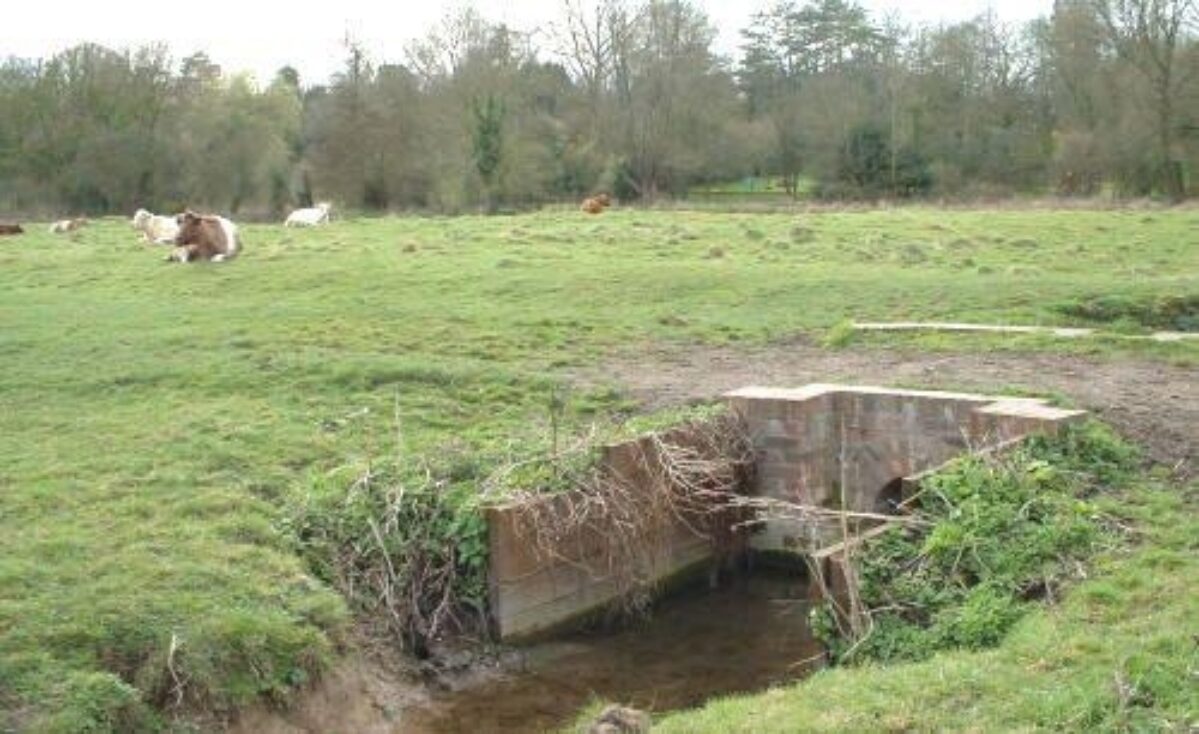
699, 644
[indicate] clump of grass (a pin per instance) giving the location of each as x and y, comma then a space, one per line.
913, 255
682, 233
801, 234
1177, 312
715, 252
1000, 534
754, 235
1023, 270
840, 335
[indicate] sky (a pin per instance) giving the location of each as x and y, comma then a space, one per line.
260, 36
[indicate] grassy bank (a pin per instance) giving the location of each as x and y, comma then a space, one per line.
1117, 654
155, 418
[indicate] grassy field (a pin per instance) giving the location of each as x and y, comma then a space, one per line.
156, 417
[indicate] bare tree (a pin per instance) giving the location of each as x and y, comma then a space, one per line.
1148, 34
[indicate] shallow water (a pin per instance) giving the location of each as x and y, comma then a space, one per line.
701, 644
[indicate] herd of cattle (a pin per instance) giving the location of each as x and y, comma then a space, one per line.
208, 237
193, 237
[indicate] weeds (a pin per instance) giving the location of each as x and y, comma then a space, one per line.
1174, 312
1000, 532
408, 551
840, 335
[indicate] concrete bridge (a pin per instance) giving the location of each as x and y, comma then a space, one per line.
819, 447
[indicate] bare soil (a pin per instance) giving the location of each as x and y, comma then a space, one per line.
1151, 403
360, 695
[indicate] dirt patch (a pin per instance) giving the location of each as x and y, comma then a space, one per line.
1154, 404
358, 696
378, 689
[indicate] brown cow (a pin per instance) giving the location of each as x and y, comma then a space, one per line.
596, 204
205, 237
11, 229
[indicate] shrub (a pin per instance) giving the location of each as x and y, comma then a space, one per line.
840, 335
404, 548
1177, 312
1001, 532
98, 702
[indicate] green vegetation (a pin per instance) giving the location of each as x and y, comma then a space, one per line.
1002, 532
409, 553
163, 424
1153, 312
1116, 654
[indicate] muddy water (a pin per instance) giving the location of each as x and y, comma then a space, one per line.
696, 646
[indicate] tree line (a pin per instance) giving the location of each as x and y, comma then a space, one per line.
628, 97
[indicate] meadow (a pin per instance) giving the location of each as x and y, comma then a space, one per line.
155, 417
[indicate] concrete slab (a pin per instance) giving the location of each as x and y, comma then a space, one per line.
1066, 332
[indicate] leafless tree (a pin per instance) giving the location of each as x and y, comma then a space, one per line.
1147, 34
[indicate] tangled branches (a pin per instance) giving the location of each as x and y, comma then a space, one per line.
406, 552
618, 520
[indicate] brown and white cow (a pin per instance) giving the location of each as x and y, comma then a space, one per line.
205, 237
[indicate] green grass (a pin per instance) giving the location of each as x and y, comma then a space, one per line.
1118, 654
156, 418
1001, 534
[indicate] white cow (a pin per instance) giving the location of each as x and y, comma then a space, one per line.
318, 214
155, 228
63, 226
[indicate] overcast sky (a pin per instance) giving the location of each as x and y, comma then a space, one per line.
260, 36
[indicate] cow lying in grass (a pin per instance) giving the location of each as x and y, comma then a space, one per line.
10, 229
204, 237
63, 226
155, 228
597, 204
318, 214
